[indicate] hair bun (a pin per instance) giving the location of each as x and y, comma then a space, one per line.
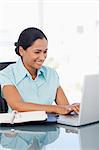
16, 43
17, 48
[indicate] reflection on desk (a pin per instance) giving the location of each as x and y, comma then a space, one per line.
87, 136
50, 137
32, 138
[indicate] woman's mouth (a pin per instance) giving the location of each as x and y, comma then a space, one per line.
39, 63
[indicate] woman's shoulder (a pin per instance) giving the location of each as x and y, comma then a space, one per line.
7, 75
8, 71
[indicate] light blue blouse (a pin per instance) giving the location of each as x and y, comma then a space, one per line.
42, 90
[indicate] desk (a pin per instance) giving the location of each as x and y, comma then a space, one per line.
49, 137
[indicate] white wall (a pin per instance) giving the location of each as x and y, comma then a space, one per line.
71, 28
16, 15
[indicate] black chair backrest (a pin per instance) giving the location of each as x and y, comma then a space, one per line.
3, 103
5, 64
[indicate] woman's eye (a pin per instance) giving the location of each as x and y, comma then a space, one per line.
37, 52
45, 52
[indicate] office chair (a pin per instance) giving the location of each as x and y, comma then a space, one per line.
3, 103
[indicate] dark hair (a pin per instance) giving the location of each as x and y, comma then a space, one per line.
27, 37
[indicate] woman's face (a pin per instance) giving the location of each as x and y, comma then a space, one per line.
34, 56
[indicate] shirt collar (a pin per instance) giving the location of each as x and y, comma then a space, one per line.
21, 71
42, 71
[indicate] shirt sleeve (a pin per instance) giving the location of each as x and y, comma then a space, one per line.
57, 79
5, 80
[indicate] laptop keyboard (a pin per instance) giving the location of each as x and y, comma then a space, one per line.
72, 116
71, 119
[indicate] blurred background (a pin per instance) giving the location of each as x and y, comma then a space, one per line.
72, 28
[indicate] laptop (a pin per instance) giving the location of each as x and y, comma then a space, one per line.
89, 106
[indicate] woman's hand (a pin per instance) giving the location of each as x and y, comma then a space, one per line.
63, 110
76, 107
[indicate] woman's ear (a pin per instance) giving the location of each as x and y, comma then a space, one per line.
21, 51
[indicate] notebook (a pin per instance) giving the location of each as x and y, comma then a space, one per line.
22, 117
89, 106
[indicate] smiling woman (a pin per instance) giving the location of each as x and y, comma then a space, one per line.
35, 55
27, 85
32, 49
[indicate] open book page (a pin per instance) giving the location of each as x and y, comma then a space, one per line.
30, 116
19, 117
6, 117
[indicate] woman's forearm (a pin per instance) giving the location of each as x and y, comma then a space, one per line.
25, 106
28, 106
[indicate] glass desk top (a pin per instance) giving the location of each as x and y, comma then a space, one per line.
49, 137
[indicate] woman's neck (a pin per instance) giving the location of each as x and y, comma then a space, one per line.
32, 71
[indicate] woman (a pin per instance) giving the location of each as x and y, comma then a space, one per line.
29, 86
